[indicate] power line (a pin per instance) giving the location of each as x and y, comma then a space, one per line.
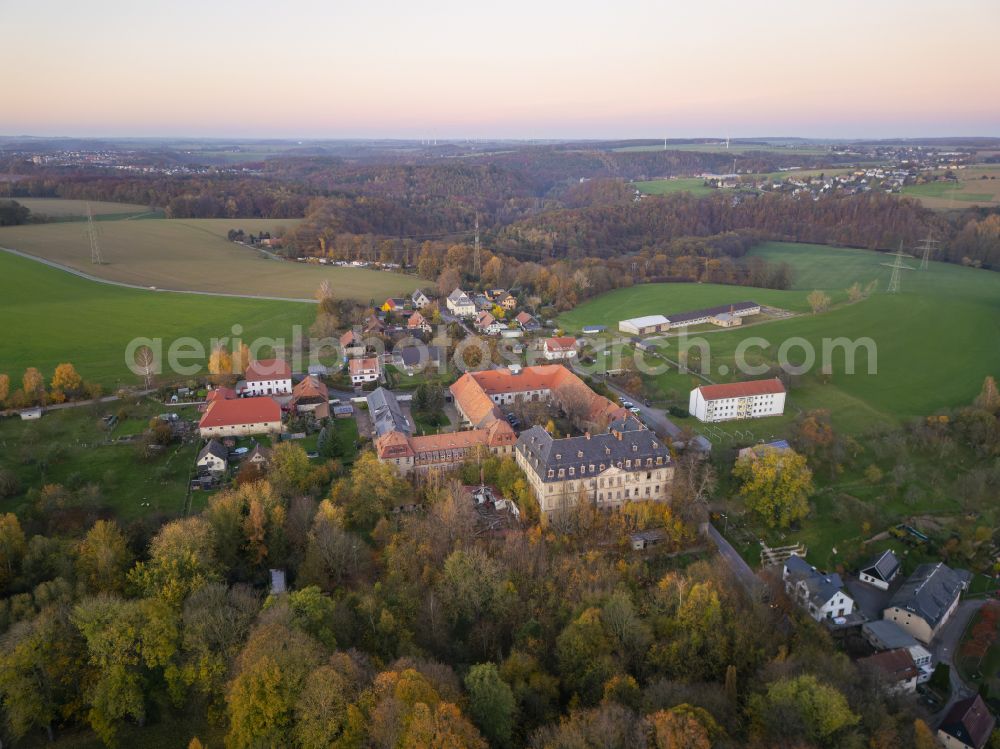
95, 246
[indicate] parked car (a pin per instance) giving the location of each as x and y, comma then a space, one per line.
635, 410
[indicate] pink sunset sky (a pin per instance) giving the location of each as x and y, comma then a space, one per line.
539, 69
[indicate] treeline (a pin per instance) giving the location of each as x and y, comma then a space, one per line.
408, 629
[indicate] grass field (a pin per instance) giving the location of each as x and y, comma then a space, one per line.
976, 186
693, 185
62, 208
51, 316
194, 255
935, 341
733, 148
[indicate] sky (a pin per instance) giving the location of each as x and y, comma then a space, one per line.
520, 69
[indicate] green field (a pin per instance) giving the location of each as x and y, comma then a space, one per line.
978, 185
51, 316
733, 148
64, 208
693, 185
936, 340
194, 255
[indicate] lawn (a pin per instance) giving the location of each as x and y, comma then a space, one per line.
979, 185
693, 185
194, 255
69, 447
51, 316
935, 341
60, 208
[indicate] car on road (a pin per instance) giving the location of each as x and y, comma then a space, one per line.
635, 410
627, 404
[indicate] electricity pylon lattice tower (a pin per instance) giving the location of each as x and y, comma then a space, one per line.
897, 266
926, 247
95, 244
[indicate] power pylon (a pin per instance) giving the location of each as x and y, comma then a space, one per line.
95, 245
477, 266
897, 266
926, 247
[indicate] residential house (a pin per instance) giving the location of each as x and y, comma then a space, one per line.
459, 304
968, 725
821, 595
311, 396
374, 326
413, 359
628, 463
881, 571
213, 458
885, 635
385, 414
419, 299
364, 370
240, 416
352, 344
559, 348
482, 302
753, 399
268, 377
394, 304
895, 668
259, 456
418, 324
527, 323
505, 301
487, 324
927, 599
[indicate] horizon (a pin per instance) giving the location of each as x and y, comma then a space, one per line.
538, 71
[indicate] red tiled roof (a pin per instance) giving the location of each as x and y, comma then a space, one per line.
267, 369
310, 387
416, 321
356, 366
523, 317
221, 413
742, 389
897, 665
566, 343
347, 339
220, 393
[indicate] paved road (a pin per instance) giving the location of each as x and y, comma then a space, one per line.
80, 404
946, 643
122, 284
743, 572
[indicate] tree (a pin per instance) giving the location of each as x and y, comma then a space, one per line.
12, 548
988, 398
181, 560
4, 387
855, 293
448, 281
321, 709
33, 384
683, 727
491, 704
583, 652
66, 380
370, 492
776, 484
443, 727
313, 612
103, 558
801, 708
819, 301
923, 736
289, 471
145, 363
220, 365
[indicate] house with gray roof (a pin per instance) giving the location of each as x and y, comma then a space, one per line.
459, 304
821, 595
881, 571
927, 599
385, 413
628, 463
213, 458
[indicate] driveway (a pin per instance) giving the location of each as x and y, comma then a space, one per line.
869, 600
737, 564
946, 643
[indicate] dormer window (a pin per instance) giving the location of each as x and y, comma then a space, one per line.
572, 471
635, 448
551, 473
659, 461
558, 456
579, 453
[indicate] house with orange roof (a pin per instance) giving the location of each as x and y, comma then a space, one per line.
421, 454
364, 370
268, 377
753, 399
240, 416
487, 324
418, 322
559, 348
311, 396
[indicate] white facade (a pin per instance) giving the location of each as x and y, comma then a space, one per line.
554, 355
643, 325
460, 305
741, 407
278, 386
368, 372
212, 462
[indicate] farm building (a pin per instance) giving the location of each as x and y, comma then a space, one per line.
240, 416
645, 325
753, 399
311, 396
927, 600
268, 377
724, 315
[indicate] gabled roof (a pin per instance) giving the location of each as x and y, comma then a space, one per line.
565, 343
646, 321
820, 588
884, 567
681, 317
267, 369
220, 413
220, 393
357, 366
416, 321
258, 454
418, 294
415, 356
349, 338
741, 389
896, 665
386, 415
930, 591
525, 318
969, 721
216, 448
311, 387
459, 297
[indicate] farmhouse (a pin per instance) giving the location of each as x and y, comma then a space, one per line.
213, 458
559, 348
479, 395
628, 463
364, 370
459, 304
927, 600
419, 299
968, 725
240, 416
443, 451
738, 400
881, 571
645, 325
311, 396
258, 456
822, 596
268, 377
